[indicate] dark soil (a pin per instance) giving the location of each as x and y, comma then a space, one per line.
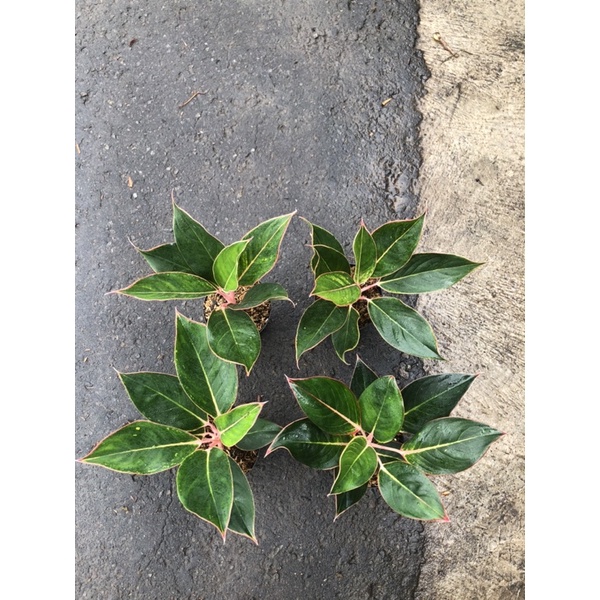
259, 314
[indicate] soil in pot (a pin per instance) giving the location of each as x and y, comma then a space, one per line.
258, 314
361, 305
244, 458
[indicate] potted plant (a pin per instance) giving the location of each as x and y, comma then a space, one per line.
199, 265
371, 433
348, 295
192, 422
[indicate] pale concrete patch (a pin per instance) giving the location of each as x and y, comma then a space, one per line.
472, 186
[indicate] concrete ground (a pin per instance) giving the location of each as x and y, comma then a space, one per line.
292, 118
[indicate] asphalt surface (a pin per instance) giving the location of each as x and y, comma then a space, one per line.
306, 106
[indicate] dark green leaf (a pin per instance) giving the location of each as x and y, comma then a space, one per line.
205, 486
382, 411
165, 258
143, 448
402, 327
396, 241
358, 462
233, 336
162, 399
198, 247
449, 445
319, 320
432, 397
345, 500
261, 434
310, 445
241, 520
409, 493
347, 336
169, 286
236, 423
225, 267
210, 382
428, 273
338, 288
260, 293
261, 254
365, 255
322, 237
362, 377
328, 403
328, 260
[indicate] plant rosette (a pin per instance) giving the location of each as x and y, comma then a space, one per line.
372, 431
193, 424
197, 265
385, 260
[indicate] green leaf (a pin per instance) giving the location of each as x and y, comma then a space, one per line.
260, 293
210, 382
362, 377
319, 320
225, 267
233, 336
162, 399
396, 241
347, 336
432, 397
358, 462
402, 327
205, 486
328, 403
241, 520
310, 445
428, 273
199, 248
165, 258
261, 254
365, 255
449, 445
382, 411
169, 286
338, 288
345, 500
236, 423
409, 493
329, 254
261, 434
143, 448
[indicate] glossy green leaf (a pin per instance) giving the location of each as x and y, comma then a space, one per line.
169, 286
347, 336
205, 486
402, 327
233, 336
260, 293
210, 382
328, 403
329, 254
236, 423
345, 500
338, 288
362, 377
241, 520
409, 493
166, 258
225, 267
322, 237
162, 399
396, 241
143, 448
432, 397
382, 410
449, 445
358, 462
428, 273
310, 445
365, 255
199, 248
261, 254
261, 434
319, 321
